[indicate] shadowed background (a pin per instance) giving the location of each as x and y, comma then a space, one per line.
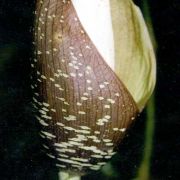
21, 155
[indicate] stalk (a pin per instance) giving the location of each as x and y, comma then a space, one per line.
148, 19
144, 170
67, 176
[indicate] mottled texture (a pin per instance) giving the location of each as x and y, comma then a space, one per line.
83, 106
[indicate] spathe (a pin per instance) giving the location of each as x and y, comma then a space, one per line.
118, 30
87, 75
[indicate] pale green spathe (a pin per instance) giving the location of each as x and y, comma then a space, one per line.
134, 55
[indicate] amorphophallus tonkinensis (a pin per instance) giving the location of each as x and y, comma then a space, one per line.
93, 73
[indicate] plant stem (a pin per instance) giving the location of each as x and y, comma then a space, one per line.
67, 176
148, 19
144, 170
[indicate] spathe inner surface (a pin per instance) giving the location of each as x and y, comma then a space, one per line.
95, 16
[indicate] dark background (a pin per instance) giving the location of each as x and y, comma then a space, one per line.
21, 157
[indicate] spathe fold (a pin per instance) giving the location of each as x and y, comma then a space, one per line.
118, 30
